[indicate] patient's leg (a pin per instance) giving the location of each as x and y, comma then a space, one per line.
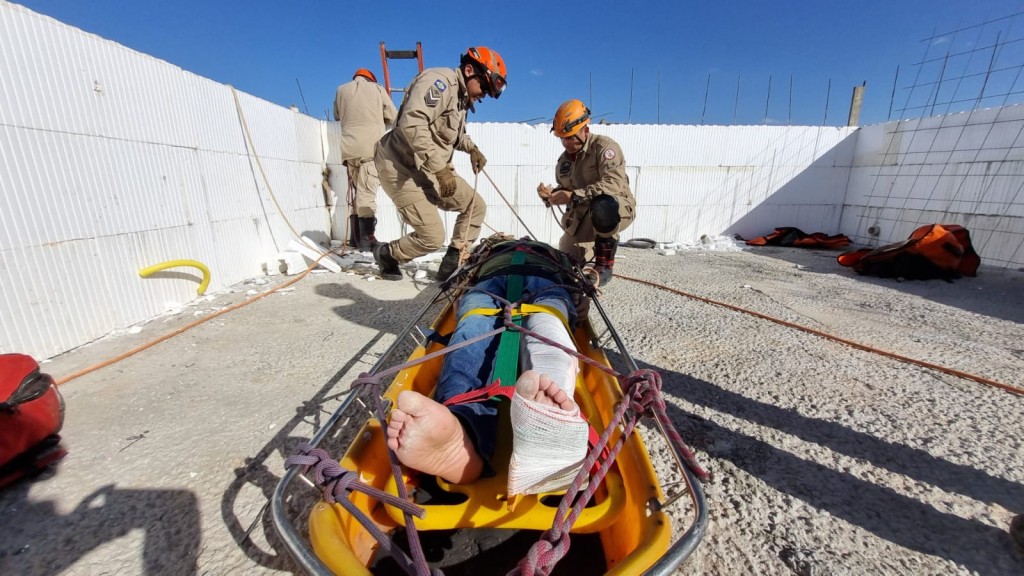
544, 358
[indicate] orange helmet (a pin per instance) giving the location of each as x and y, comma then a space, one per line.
365, 74
570, 118
490, 65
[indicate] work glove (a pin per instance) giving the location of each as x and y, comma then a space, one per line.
446, 182
477, 160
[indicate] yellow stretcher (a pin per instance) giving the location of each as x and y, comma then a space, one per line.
625, 516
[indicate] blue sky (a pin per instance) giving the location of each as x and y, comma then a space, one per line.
642, 62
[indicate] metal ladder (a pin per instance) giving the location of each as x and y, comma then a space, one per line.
386, 55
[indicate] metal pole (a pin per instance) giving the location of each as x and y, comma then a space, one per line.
629, 116
988, 73
707, 90
789, 121
892, 96
768, 99
828, 94
736, 106
658, 100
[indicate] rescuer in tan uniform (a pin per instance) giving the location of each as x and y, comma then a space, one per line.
365, 111
414, 160
594, 188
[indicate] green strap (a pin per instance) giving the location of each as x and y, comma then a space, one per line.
506, 365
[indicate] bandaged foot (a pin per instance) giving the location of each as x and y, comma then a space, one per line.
549, 436
427, 437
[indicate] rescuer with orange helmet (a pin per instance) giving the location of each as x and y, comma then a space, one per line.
594, 188
365, 111
415, 160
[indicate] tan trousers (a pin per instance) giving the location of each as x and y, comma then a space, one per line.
578, 239
415, 196
365, 181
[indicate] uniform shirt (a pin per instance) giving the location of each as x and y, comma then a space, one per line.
598, 168
365, 111
431, 123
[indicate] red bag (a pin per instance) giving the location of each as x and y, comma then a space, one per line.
31, 415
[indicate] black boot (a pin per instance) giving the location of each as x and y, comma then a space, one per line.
604, 258
386, 262
353, 231
367, 226
448, 264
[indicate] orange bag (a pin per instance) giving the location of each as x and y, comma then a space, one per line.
789, 236
932, 251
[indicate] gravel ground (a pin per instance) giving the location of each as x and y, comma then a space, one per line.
826, 459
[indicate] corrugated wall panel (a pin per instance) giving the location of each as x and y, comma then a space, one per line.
964, 168
210, 111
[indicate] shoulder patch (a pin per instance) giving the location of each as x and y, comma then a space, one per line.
432, 97
564, 167
609, 154
441, 86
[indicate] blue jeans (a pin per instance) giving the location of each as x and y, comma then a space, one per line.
470, 368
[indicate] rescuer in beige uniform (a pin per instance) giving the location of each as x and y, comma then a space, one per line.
414, 161
594, 188
365, 111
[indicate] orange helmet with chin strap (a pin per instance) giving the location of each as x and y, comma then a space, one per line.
570, 118
489, 65
365, 74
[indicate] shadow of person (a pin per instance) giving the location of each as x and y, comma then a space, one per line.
38, 539
388, 317
904, 521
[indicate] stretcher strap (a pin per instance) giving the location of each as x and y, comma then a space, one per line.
523, 310
506, 364
482, 394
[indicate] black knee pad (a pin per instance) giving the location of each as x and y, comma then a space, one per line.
604, 213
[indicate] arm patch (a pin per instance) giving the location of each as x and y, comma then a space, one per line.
432, 97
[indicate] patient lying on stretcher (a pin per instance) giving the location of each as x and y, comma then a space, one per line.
457, 442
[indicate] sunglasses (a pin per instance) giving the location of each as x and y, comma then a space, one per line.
495, 84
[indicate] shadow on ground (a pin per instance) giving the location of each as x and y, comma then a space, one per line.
171, 543
904, 521
388, 317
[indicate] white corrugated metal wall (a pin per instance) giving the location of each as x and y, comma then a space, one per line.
688, 180
965, 168
111, 161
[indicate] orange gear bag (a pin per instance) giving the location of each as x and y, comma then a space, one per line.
932, 251
789, 236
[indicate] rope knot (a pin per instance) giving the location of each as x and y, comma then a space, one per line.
643, 388
327, 473
544, 554
365, 380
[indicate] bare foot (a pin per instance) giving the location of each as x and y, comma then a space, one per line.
426, 436
543, 390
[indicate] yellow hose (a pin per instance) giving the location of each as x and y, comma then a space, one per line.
145, 272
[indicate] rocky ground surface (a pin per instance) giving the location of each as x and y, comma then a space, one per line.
826, 459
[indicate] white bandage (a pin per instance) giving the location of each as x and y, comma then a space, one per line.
549, 443
548, 447
546, 359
